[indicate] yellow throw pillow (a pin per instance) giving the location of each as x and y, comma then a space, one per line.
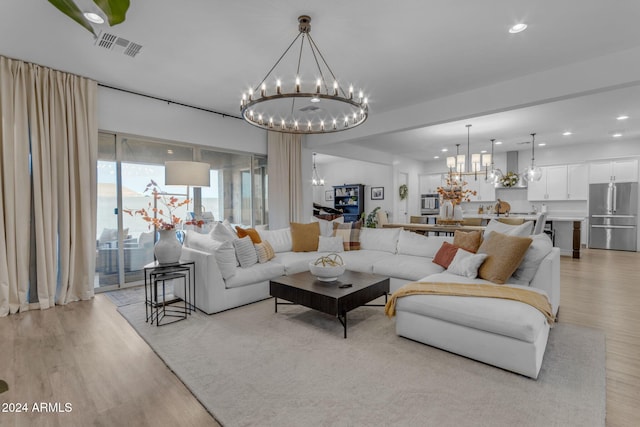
304, 237
469, 241
251, 232
504, 254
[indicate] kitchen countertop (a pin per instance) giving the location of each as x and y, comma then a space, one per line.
528, 217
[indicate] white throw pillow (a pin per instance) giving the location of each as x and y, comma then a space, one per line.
522, 230
415, 244
221, 233
538, 250
330, 244
245, 252
466, 264
326, 227
380, 239
201, 242
225, 255
280, 239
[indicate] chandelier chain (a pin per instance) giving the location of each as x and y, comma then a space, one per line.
277, 62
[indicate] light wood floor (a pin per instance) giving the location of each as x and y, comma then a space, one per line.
88, 355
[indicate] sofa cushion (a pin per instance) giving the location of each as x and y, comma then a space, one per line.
330, 244
264, 251
504, 256
466, 263
445, 255
380, 239
350, 233
406, 267
326, 227
222, 233
201, 242
410, 243
245, 252
295, 262
468, 240
225, 255
522, 230
499, 316
541, 246
304, 237
251, 232
280, 239
255, 274
363, 260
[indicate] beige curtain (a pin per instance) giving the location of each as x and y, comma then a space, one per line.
284, 152
52, 116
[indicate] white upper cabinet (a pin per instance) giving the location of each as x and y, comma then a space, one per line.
613, 171
577, 182
429, 184
485, 191
552, 185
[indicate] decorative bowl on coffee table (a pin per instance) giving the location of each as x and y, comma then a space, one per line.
327, 268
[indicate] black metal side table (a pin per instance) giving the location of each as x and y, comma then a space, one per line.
157, 306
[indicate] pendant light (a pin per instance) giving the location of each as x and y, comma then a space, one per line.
493, 175
315, 178
533, 172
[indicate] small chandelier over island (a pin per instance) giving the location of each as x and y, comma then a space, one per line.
310, 105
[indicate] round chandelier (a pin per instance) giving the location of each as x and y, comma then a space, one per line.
305, 106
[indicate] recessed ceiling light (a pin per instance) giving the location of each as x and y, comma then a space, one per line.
444, 150
483, 151
94, 17
436, 157
542, 144
315, 99
518, 28
617, 135
622, 117
498, 142
567, 133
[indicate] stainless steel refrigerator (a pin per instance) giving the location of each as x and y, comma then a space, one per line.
613, 216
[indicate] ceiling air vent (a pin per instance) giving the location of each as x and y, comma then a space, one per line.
310, 108
119, 44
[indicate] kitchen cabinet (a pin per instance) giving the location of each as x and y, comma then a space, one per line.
577, 182
428, 184
486, 191
552, 185
624, 170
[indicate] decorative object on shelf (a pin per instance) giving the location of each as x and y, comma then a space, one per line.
511, 179
371, 221
328, 196
316, 181
377, 193
533, 172
349, 199
168, 248
403, 191
164, 220
330, 108
327, 268
455, 191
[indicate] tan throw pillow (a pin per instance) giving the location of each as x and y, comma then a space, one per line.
251, 232
350, 233
265, 251
504, 254
469, 241
304, 237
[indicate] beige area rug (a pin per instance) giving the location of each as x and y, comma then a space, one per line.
253, 367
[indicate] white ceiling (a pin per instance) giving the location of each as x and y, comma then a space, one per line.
205, 53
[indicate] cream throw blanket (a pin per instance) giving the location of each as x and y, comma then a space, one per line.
534, 299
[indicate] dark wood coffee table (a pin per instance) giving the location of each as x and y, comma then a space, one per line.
304, 289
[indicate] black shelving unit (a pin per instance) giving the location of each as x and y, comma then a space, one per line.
349, 198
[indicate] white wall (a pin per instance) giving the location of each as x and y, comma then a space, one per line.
138, 115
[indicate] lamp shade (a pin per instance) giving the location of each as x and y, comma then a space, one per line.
195, 174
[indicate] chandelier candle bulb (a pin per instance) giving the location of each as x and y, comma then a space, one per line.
271, 122
335, 124
283, 125
295, 125
260, 119
263, 90
309, 126
297, 84
350, 92
278, 87
335, 88
361, 96
250, 94
322, 125
318, 85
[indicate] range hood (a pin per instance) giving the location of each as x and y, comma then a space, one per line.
512, 166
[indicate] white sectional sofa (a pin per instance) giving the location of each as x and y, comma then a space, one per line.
508, 334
